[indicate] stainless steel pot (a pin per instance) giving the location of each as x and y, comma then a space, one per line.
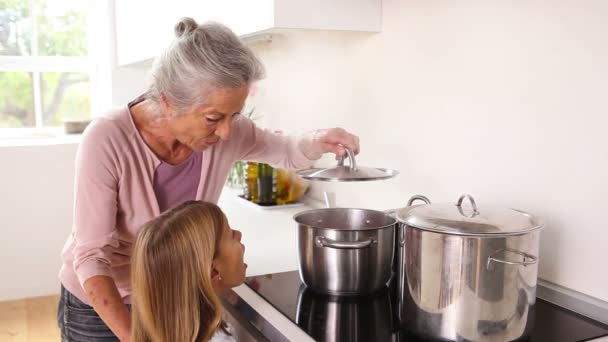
345, 251
466, 273
340, 318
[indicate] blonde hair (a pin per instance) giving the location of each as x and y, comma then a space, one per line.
201, 58
173, 296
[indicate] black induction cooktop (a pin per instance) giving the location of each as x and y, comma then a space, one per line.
372, 318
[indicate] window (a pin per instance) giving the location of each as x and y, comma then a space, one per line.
46, 70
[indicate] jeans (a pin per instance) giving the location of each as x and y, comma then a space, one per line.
79, 322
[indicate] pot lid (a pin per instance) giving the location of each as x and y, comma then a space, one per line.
461, 219
343, 173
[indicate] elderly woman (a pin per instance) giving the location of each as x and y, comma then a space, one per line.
174, 143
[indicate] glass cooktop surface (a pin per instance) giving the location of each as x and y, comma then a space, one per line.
372, 318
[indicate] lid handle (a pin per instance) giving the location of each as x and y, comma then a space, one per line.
473, 205
418, 198
351, 159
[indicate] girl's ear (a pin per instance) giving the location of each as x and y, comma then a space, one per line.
215, 273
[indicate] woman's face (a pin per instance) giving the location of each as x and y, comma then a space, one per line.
228, 265
202, 126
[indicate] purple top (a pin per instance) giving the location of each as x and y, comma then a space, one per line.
176, 184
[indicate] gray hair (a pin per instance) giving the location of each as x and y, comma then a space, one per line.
201, 58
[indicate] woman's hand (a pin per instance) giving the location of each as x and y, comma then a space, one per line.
315, 143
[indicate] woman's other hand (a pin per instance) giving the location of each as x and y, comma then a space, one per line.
315, 144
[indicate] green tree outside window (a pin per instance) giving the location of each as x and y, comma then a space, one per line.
61, 28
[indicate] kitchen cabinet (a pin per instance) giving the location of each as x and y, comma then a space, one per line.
145, 28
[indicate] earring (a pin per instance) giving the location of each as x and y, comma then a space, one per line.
219, 277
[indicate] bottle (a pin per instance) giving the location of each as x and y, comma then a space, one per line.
251, 182
282, 186
265, 184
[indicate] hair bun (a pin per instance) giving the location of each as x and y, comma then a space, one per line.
185, 26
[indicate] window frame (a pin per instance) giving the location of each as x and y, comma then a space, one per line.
37, 64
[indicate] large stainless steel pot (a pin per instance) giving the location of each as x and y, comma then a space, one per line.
345, 251
340, 318
466, 273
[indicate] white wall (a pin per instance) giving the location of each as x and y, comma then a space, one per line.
36, 197
126, 83
36, 215
505, 100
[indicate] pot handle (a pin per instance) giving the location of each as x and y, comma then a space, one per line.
351, 159
419, 198
409, 204
330, 199
473, 205
322, 241
528, 259
411, 201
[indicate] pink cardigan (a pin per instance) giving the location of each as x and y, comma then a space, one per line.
114, 194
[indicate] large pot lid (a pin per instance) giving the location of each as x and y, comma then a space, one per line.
461, 219
343, 173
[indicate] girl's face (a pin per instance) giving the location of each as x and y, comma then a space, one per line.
228, 266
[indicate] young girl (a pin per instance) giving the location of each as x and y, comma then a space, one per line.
182, 261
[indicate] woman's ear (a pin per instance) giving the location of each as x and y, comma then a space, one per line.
165, 106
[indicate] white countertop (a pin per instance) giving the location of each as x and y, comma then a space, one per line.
269, 236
